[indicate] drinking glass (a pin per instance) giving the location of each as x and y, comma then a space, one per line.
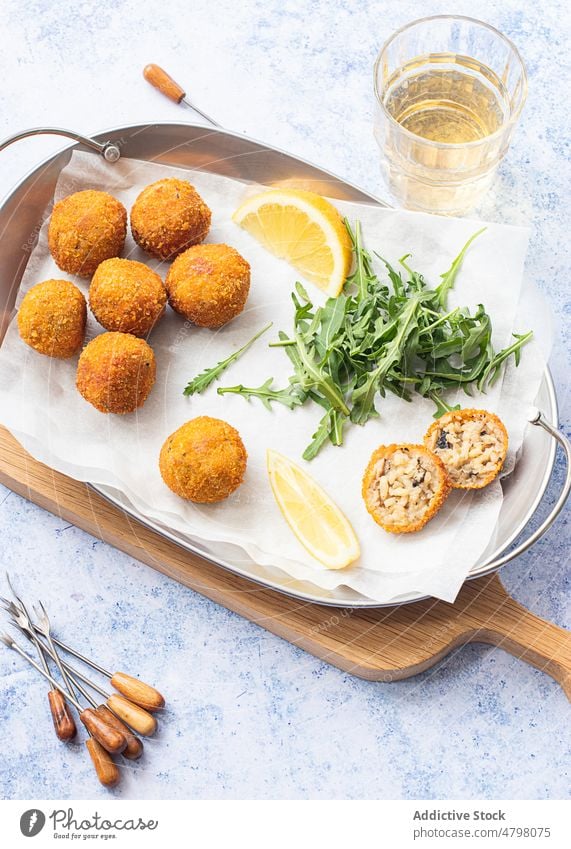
449, 92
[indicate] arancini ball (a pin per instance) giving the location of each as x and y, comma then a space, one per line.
204, 460
85, 229
404, 486
52, 318
168, 217
472, 444
209, 284
127, 296
116, 372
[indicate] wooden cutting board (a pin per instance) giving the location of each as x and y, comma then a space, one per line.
385, 644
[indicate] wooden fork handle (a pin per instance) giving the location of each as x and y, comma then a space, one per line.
162, 81
137, 691
105, 767
134, 748
62, 718
111, 739
140, 720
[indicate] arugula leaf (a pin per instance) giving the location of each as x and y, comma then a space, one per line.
492, 370
330, 428
441, 406
291, 397
449, 277
332, 320
363, 276
377, 337
319, 379
204, 379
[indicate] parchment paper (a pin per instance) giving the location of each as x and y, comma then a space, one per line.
40, 405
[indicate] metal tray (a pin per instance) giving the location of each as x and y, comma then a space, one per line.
226, 153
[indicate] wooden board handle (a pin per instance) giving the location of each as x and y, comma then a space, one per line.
106, 769
158, 78
61, 716
137, 691
512, 627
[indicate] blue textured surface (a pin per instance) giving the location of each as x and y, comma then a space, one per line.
250, 716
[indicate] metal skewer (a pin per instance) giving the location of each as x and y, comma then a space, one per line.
105, 767
44, 627
157, 77
134, 747
136, 691
111, 739
63, 721
131, 714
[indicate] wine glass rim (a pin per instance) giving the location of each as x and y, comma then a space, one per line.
449, 145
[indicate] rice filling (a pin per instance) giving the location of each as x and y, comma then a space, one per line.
404, 486
472, 448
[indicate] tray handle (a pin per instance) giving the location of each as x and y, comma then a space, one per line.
539, 420
108, 150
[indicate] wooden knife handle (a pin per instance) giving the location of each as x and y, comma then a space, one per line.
134, 748
158, 78
106, 769
110, 738
61, 715
133, 715
138, 692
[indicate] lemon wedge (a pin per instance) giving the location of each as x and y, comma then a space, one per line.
304, 229
317, 522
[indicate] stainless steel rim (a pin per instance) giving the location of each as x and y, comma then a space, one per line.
491, 565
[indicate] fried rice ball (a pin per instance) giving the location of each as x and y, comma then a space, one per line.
127, 296
168, 217
85, 229
209, 284
52, 318
116, 372
404, 486
204, 460
472, 444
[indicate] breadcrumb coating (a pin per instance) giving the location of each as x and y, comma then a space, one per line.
204, 460
472, 444
169, 216
85, 229
404, 486
209, 284
127, 296
116, 372
52, 318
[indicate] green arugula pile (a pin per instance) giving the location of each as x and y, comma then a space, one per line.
376, 338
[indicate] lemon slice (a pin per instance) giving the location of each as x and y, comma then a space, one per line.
304, 229
317, 522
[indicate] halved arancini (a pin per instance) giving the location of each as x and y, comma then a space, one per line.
404, 486
472, 444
